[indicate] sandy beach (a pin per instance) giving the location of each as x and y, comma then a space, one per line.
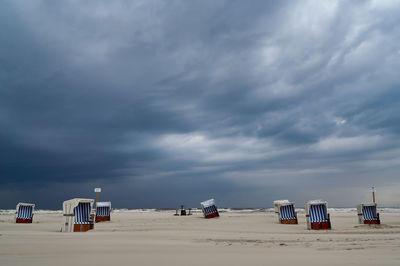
159, 238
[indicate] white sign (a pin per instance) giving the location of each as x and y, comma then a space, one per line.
97, 189
373, 189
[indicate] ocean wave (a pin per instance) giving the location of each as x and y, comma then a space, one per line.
13, 211
221, 210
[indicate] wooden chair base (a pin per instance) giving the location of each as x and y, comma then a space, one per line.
290, 221
212, 215
321, 226
23, 221
372, 222
82, 227
103, 218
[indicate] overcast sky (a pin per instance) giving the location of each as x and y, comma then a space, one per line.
162, 103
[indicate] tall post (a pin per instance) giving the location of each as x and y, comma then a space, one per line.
97, 190
373, 194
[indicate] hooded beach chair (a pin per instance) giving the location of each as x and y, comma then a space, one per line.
317, 215
78, 215
285, 211
24, 213
103, 210
367, 213
209, 209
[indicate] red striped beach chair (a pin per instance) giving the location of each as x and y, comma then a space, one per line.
317, 215
24, 213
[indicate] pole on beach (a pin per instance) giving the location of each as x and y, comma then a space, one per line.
373, 190
97, 190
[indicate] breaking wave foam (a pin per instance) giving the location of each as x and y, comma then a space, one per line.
221, 210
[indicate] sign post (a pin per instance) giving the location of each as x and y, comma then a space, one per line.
373, 190
97, 190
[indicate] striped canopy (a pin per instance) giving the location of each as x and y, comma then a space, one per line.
25, 212
209, 210
369, 213
82, 213
103, 211
287, 212
318, 213
209, 207
207, 203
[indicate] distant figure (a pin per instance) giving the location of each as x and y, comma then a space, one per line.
183, 211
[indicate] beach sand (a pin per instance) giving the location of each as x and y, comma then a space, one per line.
159, 238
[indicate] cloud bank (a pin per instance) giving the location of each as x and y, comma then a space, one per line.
163, 103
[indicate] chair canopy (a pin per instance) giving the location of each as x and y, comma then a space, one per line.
278, 203
317, 210
369, 211
82, 213
25, 210
287, 212
103, 204
70, 205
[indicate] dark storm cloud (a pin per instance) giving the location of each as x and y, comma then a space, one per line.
179, 101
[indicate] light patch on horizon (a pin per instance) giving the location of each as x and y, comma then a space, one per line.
202, 149
353, 144
340, 121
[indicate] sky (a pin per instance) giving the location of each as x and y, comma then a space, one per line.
163, 103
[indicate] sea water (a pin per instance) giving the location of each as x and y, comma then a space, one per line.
221, 210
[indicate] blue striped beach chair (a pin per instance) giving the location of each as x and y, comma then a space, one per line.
24, 213
367, 213
103, 211
317, 215
209, 208
78, 215
285, 211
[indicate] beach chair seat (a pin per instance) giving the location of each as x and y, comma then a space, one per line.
24, 212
